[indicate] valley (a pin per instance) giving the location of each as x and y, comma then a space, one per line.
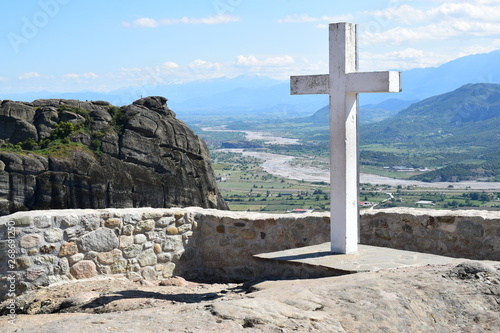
441, 152
434, 137
259, 180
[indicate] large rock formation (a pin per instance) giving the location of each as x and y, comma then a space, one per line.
72, 154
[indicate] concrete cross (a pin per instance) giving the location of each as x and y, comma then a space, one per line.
343, 85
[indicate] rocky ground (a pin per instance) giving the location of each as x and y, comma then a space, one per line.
463, 298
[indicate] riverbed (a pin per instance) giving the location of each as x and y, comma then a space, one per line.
279, 165
267, 138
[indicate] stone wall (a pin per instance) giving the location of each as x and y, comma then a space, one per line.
44, 247
468, 234
228, 240
39, 248
53, 246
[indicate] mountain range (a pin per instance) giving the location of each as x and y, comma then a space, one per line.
262, 95
421, 83
367, 114
469, 115
457, 132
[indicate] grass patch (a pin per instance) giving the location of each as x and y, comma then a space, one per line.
57, 148
387, 173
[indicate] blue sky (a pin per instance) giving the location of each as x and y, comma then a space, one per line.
75, 45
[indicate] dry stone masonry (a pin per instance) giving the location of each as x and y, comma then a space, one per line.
468, 234
46, 247
54, 246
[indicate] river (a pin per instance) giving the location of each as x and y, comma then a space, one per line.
268, 138
279, 165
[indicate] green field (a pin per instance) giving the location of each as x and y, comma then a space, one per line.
247, 187
387, 173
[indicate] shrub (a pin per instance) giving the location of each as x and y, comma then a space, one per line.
29, 144
96, 143
62, 130
119, 119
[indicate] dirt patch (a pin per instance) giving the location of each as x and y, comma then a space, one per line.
118, 294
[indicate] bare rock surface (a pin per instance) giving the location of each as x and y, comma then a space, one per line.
463, 298
138, 155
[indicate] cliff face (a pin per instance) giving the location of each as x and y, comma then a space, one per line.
60, 154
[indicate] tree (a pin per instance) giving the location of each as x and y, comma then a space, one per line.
62, 130
29, 144
484, 197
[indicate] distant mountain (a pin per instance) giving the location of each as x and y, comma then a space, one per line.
391, 105
262, 95
81, 95
246, 94
468, 116
259, 99
366, 114
457, 132
421, 83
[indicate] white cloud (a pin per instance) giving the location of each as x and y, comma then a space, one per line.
146, 22
3, 79
406, 14
486, 11
163, 68
403, 14
169, 65
308, 67
304, 18
252, 61
438, 31
480, 48
408, 53
74, 76
90, 75
401, 60
199, 64
30, 75
150, 75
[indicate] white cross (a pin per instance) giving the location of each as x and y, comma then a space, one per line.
343, 85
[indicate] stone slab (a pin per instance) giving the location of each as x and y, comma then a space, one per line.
366, 259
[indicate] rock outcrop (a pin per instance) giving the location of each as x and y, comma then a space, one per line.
411, 299
60, 154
